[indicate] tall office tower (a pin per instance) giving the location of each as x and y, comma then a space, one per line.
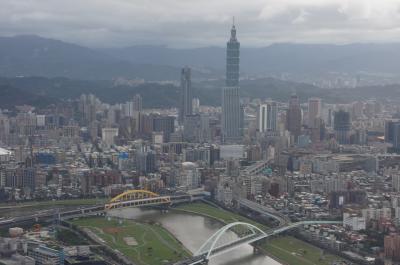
196, 105
185, 107
314, 111
133, 107
392, 134
88, 106
231, 113
4, 128
146, 162
231, 110
267, 117
389, 130
342, 126
293, 116
137, 102
164, 124
329, 118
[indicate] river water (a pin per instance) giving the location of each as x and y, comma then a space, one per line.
193, 231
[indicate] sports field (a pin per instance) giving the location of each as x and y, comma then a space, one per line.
143, 243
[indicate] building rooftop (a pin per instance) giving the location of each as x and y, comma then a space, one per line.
4, 151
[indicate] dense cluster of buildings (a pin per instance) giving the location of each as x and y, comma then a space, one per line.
41, 248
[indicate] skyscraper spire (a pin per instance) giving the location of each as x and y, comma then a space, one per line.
233, 30
232, 59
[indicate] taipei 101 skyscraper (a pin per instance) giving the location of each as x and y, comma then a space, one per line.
231, 110
232, 59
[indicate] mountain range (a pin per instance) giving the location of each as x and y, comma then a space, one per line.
36, 56
275, 59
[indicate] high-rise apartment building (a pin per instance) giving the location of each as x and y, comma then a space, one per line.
137, 102
392, 246
314, 111
392, 134
267, 117
294, 116
342, 126
186, 107
232, 113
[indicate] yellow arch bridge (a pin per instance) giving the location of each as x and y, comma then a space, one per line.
136, 198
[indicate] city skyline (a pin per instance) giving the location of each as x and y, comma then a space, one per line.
152, 155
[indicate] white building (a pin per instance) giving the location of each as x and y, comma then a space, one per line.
41, 120
5, 155
108, 136
267, 117
225, 194
189, 176
354, 221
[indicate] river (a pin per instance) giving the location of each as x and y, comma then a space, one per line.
193, 231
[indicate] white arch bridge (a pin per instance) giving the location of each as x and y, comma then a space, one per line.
236, 234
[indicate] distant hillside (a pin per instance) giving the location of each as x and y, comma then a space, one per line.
276, 59
40, 91
54, 89
36, 56
28, 89
13, 96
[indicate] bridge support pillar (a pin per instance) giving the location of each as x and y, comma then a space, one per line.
256, 250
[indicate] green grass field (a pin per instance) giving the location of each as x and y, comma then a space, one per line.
291, 250
155, 245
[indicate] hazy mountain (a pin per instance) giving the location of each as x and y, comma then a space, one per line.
12, 96
36, 56
278, 58
207, 57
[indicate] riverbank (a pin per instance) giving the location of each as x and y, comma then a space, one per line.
143, 243
219, 214
287, 249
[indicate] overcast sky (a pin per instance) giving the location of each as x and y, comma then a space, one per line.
197, 23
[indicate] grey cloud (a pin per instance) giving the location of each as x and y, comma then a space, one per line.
191, 23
